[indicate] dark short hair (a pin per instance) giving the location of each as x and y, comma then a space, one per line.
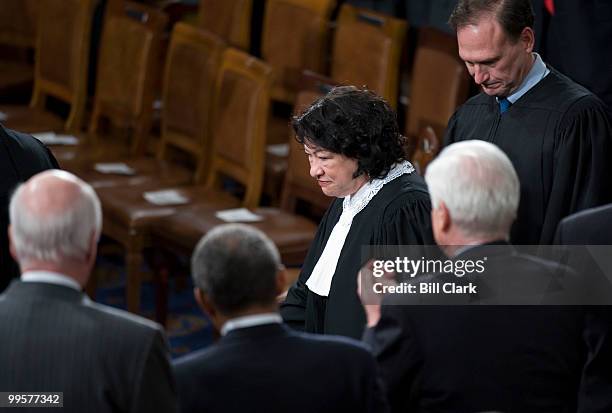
236, 266
512, 15
357, 124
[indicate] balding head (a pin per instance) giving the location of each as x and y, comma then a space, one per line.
55, 219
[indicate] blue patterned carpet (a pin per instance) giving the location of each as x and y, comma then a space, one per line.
187, 327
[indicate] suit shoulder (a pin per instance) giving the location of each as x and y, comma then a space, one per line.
201, 357
543, 267
590, 226
123, 320
600, 213
28, 151
332, 344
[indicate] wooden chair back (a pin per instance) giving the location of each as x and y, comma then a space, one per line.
240, 121
150, 16
19, 23
427, 148
440, 83
228, 19
190, 74
127, 73
299, 185
62, 53
294, 39
367, 51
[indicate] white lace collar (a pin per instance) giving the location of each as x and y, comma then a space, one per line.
364, 195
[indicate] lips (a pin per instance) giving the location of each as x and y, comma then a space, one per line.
323, 183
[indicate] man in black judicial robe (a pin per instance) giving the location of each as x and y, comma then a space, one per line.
476, 358
557, 133
21, 157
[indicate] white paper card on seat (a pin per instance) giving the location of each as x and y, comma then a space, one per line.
238, 215
51, 138
118, 168
281, 150
2, 116
165, 197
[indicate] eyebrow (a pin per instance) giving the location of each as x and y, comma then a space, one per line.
313, 151
487, 61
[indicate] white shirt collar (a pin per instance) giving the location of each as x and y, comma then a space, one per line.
250, 321
538, 72
50, 277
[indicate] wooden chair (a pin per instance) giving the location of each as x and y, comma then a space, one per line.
127, 73
60, 67
427, 147
439, 84
18, 26
291, 233
188, 91
228, 19
239, 125
294, 38
367, 50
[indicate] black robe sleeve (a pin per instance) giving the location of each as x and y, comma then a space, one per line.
409, 224
397, 352
449, 135
582, 164
293, 309
21, 156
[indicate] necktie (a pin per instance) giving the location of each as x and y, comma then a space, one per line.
550, 6
504, 104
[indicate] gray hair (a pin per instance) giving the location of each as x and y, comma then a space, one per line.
479, 186
236, 266
53, 236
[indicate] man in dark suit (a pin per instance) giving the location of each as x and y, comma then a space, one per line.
21, 156
260, 365
589, 227
54, 339
507, 358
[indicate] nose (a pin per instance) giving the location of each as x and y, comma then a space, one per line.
315, 167
480, 74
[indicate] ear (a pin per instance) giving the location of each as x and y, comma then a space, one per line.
445, 216
528, 39
204, 302
281, 279
11, 245
93, 249
440, 223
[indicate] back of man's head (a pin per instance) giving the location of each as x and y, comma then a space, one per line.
478, 185
236, 266
55, 218
512, 15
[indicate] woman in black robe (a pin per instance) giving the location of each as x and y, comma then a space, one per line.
356, 154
